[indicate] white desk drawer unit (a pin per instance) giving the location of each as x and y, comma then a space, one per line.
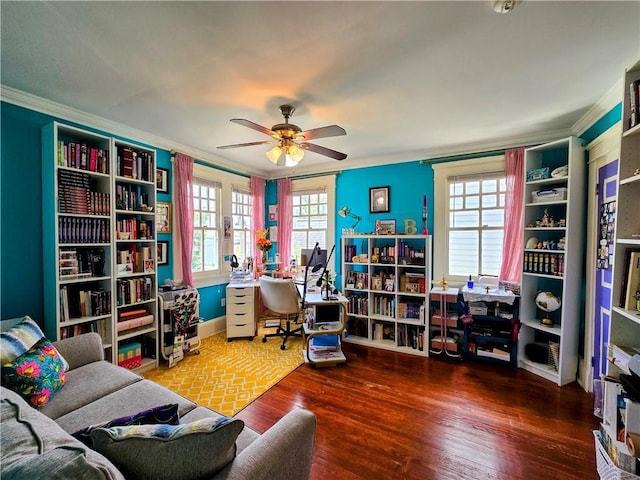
241, 318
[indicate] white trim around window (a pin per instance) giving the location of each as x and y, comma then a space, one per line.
443, 171
227, 181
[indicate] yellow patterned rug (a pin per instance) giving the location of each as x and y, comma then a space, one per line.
227, 376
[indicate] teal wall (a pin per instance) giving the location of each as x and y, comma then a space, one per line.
21, 272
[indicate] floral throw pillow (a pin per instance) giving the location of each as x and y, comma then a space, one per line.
36, 374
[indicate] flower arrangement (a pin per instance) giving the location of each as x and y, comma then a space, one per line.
263, 241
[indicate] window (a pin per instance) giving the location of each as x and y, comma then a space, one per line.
206, 227
469, 215
241, 213
311, 201
310, 215
476, 224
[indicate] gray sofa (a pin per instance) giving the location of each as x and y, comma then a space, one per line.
97, 391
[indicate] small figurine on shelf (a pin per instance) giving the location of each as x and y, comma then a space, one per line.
443, 283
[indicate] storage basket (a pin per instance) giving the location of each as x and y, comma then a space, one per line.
549, 195
606, 469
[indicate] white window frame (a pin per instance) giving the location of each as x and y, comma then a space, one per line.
227, 182
322, 184
251, 247
442, 172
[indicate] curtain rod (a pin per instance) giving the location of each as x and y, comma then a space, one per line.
464, 156
308, 175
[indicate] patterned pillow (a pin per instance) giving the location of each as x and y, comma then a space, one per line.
164, 414
170, 452
20, 338
36, 374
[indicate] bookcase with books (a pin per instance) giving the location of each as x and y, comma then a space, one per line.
98, 251
553, 240
386, 279
621, 414
135, 282
76, 200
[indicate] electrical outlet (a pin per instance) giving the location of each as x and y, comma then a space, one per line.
223, 302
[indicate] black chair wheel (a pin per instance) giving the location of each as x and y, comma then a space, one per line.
229, 340
282, 347
251, 339
264, 339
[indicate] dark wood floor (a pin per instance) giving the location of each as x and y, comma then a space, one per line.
385, 415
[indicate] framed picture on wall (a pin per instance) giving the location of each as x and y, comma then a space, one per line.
378, 199
163, 217
162, 257
162, 180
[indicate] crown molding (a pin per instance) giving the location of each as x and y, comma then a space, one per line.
39, 104
63, 112
609, 100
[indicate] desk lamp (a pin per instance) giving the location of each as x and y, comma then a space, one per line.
345, 212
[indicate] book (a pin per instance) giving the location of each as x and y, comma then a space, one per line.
634, 103
633, 282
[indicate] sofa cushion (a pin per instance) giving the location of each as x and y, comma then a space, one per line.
34, 446
246, 437
89, 383
20, 338
128, 400
172, 452
167, 414
36, 375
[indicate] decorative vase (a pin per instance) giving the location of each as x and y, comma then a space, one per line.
265, 256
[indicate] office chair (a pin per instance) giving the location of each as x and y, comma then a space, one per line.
281, 297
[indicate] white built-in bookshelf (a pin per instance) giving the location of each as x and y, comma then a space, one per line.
386, 279
553, 240
99, 197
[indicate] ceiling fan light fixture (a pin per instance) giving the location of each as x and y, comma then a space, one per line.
295, 152
274, 154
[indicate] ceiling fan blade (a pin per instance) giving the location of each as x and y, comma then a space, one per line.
322, 132
327, 152
250, 144
254, 126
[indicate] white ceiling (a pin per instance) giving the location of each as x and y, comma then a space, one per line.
407, 80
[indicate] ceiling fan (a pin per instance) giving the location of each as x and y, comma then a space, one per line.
291, 140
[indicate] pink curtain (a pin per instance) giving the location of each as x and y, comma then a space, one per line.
513, 216
184, 213
285, 220
256, 189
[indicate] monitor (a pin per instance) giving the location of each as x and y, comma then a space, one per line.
320, 258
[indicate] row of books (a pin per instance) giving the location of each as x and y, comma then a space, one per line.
383, 281
78, 303
83, 157
139, 259
136, 229
350, 251
77, 193
79, 263
383, 331
83, 230
134, 290
135, 164
634, 103
407, 251
410, 310
97, 326
547, 263
358, 304
358, 327
130, 197
358, 280
630, 291
384, 305
410, 336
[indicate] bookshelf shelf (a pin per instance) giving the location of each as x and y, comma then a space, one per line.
387, 289
80, 224
557, 271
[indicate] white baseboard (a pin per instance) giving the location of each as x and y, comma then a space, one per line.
212, 327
